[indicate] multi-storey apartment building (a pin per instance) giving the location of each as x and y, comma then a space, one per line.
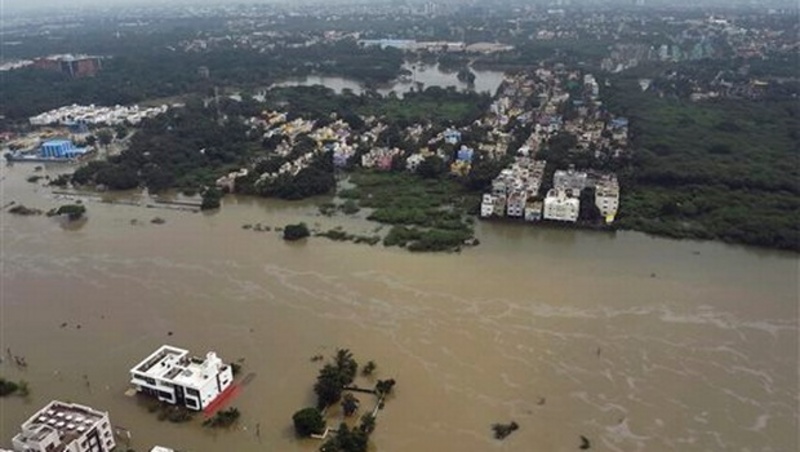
65, 427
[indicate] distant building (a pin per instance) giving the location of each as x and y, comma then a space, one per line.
560, 205
60, 149
452, 136
67, 427
72, 65
174, 377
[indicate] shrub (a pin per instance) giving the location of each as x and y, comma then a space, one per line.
7, 387
72, 211
308, 421
224, 418
294, 232
211, 199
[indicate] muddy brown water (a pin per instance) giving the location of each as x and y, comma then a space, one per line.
637, 343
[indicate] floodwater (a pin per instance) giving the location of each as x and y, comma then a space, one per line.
486, 81
636, 343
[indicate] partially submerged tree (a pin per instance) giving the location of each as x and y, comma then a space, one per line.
349, 404
308, 421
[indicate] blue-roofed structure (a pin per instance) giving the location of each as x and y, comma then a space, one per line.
618, 123
452, 136
60, 149
464, 154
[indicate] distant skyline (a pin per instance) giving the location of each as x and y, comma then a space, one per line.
14, 5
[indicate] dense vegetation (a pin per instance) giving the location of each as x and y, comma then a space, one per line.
333, 377
433, 104
726, 169
184, 148
332, 387
428, 214
150, 70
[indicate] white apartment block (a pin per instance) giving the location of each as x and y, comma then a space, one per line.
533, 212
487, 205
560, 205
570, 179
516, 205
606, 197
174, 377
65, 427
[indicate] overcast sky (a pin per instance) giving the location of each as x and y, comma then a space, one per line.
30, 4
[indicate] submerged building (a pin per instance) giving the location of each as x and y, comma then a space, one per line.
174, 377
65, 427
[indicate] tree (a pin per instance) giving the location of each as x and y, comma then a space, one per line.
367, 423
7, 387
329, 386
432, 167
121, 131
105, 137
308, 421
211, 199
384, 387
294, 232
347, 440
346, 364
349, 404
589, 212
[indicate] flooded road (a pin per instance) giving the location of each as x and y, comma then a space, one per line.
638, 344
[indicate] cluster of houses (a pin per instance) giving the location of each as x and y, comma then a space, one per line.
169, 374
515, 193
94, 115
565, 102
515, 190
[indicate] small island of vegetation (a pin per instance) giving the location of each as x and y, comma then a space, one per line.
334, 385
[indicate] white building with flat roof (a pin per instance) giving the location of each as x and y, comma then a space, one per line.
559, 205
65, 427
570, 179
487, 205
606, 197
174, 377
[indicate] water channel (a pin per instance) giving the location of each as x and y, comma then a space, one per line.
637, 343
